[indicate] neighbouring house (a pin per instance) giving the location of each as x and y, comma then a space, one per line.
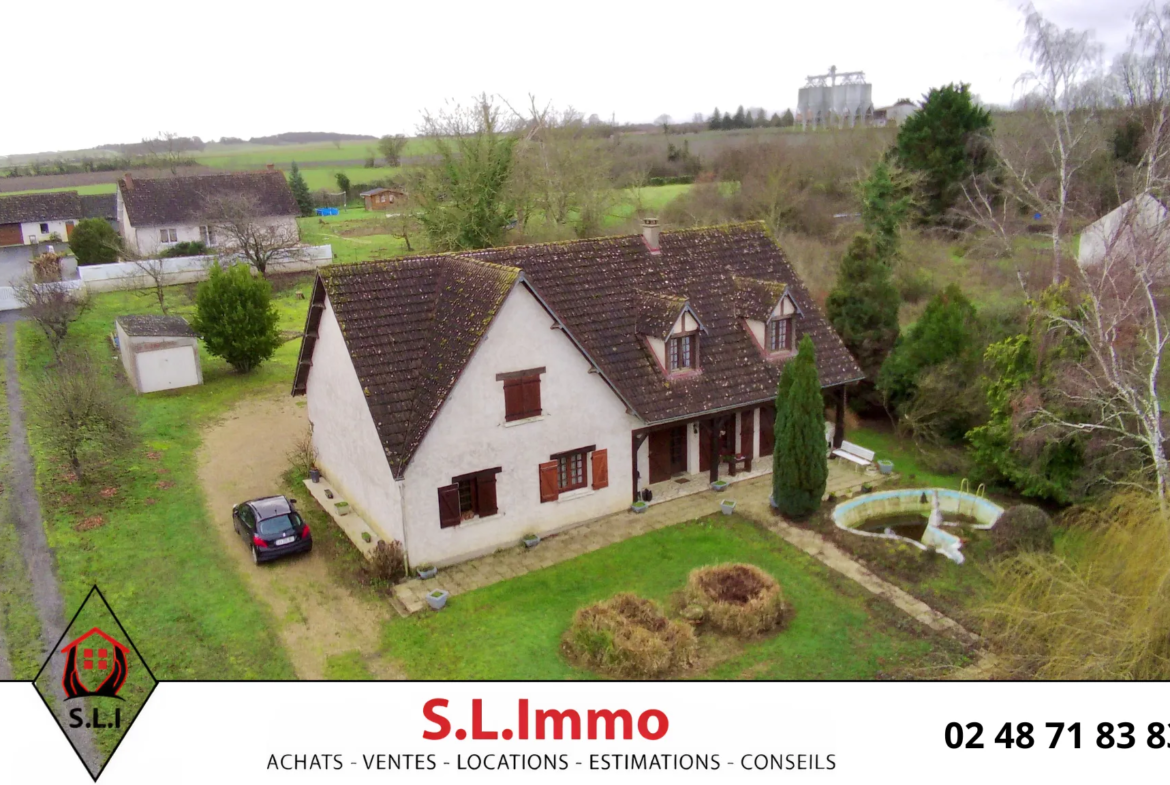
461, 401
380, 198
158, 352
155, 214
1143, 219
100, 206
898, 113
28, 219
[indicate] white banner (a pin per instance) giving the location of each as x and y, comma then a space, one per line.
679, 732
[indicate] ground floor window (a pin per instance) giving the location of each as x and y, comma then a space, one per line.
168, 236
571, 471
468, 496
207, 235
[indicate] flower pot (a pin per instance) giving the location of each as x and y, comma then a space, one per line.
719, 485
885, 467
772, 501
531, 540
341, 507
437, 599
639, 507
728, 506
328, 494
427, 571
315, 475
367, 537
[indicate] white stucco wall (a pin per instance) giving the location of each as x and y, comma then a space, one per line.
1142, 219
469, 434
31, 231
146, 238
349, 452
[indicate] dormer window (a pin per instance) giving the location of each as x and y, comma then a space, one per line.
682, 352
780, 334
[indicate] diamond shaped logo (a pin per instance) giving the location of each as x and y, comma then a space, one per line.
95, 682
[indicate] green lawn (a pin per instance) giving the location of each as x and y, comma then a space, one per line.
18, 613
888, 446
155, 557
326, 176
512, 629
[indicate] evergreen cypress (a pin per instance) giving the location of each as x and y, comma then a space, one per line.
800, 461
716, 121
300, 190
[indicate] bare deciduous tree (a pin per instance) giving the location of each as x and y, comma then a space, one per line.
155, 271
1120, 325
80, 413
391, 148
241, 228
53, 306
1043, 160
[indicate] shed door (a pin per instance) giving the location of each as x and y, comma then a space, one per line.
165, 369
10, 234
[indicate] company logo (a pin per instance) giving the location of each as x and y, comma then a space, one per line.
95, 665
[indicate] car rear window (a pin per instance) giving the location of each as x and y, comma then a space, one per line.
278, 524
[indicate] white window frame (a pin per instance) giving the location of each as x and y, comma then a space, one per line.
164, 234
207, 235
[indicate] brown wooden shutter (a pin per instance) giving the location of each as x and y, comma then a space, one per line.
600, 469
532, 396
514, 399
449, 505
548, 482
485, 490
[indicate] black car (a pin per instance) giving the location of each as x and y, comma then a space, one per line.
272, 528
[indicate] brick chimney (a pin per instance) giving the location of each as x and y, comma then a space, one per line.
271, 167
129, 181
650, 234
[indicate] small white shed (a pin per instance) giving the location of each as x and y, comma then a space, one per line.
158, 352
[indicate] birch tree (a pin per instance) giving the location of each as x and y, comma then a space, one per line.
1042, 162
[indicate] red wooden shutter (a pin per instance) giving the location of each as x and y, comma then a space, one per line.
513, 399
449, 505
532, 396
600, 469
485, 491
548, 482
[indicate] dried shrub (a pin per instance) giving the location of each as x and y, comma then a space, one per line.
1024, 527
303, 455
740, 599
629, 637
1097, 610
388, 561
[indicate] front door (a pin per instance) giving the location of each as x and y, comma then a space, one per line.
726, 440
659, 456
767, 425
68, 230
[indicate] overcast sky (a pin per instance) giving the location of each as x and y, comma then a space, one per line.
118, 71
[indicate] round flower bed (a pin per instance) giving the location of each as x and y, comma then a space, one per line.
740, 599
628, 636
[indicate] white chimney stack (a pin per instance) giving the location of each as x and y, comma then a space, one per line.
650, 234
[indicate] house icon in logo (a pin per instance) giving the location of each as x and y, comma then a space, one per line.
96, 665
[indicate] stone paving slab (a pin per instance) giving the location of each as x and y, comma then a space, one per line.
593, 535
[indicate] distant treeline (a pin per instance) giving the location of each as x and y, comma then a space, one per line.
299, 137
118, 163
168, 145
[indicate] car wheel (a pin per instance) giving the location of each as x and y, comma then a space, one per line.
255, 555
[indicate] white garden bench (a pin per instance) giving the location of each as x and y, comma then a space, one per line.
854, 454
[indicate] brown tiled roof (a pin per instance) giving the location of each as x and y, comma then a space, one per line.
47, 206
755, 299
184, 200
410, 325
99, 206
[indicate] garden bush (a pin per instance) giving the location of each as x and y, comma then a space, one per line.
740, 599
629, 637
1024, 527
185, 248
388, 562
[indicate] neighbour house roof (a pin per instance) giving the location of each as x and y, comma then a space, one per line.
185, 200
149, 325
48, 206
99, 206
411, 325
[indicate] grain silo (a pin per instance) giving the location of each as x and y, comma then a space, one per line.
835, 99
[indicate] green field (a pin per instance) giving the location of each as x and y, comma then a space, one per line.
513, 629
325, 176
100, 188
154, 555
251, 156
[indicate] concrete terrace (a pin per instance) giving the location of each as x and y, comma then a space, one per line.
750, 490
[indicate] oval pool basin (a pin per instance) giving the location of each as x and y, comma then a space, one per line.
855, 513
